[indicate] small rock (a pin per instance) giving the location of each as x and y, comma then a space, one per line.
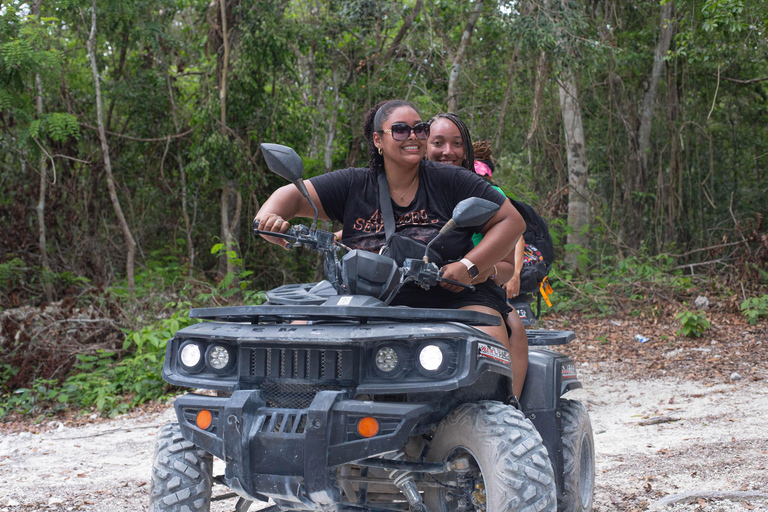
12, 503
701, 302
55, 501
735, 376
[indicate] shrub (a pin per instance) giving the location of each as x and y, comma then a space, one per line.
755, 307
693, 324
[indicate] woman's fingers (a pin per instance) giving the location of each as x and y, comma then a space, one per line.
455, 271
276, 224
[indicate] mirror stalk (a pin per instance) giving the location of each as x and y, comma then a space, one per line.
447, 228
299, 183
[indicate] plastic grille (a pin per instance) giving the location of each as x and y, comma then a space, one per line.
292, 396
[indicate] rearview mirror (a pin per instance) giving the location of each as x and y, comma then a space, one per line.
474, 212
283, 161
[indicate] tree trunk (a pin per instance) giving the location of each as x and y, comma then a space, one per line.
507, 96
453, 78
42, 241
538, 97
231, 199
638, 177
404, 28
330, 134
129, 241
576, 149
182, 175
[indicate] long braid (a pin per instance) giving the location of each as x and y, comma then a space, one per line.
469, 156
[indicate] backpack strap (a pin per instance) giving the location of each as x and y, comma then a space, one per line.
385, 205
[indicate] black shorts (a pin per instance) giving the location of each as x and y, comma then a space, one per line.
486, 294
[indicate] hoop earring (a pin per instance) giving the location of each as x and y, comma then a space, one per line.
381, 152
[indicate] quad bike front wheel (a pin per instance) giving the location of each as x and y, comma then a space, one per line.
181, 474
509, 469
578, 459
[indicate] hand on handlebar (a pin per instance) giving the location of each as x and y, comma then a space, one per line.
275, 223
455, 271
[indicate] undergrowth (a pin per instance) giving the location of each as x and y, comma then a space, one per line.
111, 382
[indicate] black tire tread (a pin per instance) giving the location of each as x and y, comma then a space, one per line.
181, 474
518, 474
575, 421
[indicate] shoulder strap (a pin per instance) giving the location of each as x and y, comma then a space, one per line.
385, 205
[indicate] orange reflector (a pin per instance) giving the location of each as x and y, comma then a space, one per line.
204, 419
368, 427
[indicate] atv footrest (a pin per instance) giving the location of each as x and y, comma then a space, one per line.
544, 337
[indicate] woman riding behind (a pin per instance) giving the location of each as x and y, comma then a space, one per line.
422, 195
449, 142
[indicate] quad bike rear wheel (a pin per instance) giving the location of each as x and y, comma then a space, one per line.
578, 459
181, 474
509, 469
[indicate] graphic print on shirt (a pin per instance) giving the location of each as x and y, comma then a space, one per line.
412, 224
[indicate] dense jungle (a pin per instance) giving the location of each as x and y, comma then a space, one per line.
130, 168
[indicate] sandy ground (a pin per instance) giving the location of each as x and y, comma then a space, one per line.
655, 441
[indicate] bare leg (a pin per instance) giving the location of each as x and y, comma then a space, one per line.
516, 344
518, 350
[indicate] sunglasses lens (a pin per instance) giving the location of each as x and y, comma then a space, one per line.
400, 131
421, 131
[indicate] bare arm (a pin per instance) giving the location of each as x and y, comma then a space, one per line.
283, 205
499, 237
512, 286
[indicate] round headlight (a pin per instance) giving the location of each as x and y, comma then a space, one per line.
191, 356
431, 357
386, 359
218, 357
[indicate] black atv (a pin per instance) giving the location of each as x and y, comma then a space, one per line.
329, 399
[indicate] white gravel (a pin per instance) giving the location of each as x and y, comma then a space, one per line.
709, 442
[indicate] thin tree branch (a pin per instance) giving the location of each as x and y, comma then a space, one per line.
139, 139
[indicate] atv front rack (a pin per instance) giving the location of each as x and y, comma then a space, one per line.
358, 314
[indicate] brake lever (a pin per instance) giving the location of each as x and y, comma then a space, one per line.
457, 283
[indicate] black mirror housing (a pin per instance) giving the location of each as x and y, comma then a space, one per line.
474, 211
283, 161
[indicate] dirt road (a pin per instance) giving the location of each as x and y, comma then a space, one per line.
654, 439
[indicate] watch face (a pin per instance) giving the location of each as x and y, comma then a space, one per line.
473, 272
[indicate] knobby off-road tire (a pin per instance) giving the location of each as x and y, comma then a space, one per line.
181, 474
578, 459
508, 451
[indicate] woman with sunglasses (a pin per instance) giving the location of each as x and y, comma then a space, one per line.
449, 143
423, 195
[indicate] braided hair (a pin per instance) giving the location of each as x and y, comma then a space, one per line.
469, 154
483, 152
373, 123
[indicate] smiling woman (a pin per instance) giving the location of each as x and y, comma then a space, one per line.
421, 196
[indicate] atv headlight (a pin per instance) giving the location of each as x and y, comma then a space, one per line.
436, 358
431, 358
191, 356
220, 358
386, 359
392, 360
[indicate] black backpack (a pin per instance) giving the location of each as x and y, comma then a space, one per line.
539, 242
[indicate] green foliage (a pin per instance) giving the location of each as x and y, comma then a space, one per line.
617, 284
102, 381
693, 324
755, 307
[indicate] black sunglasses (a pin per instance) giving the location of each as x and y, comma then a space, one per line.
401, 131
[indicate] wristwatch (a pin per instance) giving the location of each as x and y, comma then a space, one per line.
471, 268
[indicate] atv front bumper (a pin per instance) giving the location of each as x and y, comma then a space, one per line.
289, 454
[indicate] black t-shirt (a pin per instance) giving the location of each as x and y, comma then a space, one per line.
351, 196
